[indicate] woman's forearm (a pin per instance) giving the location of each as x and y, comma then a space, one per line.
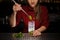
41, 29
13, 20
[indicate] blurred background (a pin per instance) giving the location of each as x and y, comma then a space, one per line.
53, 7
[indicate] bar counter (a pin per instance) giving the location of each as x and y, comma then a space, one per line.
44, 36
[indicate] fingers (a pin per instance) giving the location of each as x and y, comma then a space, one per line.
36, 33
17, 7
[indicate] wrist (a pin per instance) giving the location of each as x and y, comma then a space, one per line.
39, 30
14, 13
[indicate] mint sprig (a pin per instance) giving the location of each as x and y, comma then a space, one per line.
18, 35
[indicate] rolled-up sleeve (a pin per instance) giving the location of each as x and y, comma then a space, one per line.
44, 17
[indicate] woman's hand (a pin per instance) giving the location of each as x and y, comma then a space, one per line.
36, 33
17, 7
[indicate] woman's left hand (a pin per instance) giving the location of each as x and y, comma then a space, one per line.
36, 33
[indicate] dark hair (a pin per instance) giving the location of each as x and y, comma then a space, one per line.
38, 12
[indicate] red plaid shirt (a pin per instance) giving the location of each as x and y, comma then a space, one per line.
30, 11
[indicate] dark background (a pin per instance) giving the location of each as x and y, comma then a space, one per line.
53, 12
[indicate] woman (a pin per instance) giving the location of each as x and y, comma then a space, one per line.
36, 13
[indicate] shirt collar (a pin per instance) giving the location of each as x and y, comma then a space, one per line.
30, 8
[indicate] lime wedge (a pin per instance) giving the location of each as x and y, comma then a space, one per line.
31, 33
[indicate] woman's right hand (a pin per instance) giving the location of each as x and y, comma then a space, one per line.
17, 7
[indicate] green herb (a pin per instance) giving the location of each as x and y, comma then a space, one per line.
18, 35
